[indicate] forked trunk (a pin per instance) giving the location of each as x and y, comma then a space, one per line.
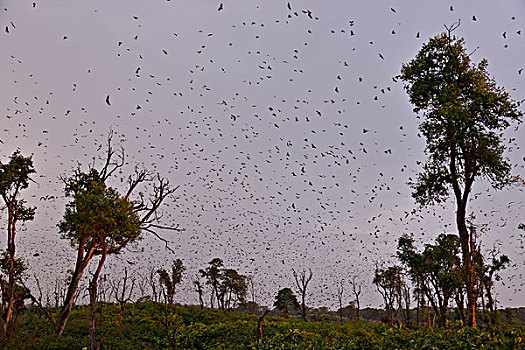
93, 343
80, 266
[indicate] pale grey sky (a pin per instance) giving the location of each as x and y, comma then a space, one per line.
290, 141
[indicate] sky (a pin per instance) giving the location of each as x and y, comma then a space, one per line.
281, 122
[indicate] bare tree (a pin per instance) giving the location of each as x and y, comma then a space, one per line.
356, 289
301, 281
122, 293
152, 281
340, 291
259, 332
142, 285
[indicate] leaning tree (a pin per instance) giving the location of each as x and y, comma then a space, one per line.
464, 115
100, 221
15, 176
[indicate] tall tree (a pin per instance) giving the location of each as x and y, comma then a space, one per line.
212, 274
233, 288
169, 283
464, 114
99, 221
199, 288
356, 289
340, 291
301, 281
15, 176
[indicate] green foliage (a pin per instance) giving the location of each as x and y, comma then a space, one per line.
216, 329
15, 175
286, 300
98, 215
169, 284
464, 112
389, 282
225, 283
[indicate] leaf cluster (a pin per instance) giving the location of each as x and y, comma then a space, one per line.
464, 113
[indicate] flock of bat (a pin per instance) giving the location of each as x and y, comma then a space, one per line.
290, 151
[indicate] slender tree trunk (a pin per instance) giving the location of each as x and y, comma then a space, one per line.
303, 306
259, 327
93, 343
82, 262
8, 312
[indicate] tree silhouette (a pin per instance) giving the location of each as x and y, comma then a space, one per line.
169, 283
14, 177
284, 300
301, 281
464, 113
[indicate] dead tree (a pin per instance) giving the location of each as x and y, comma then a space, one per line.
122, 293
142, 285
356, 289
302, 280
340, 291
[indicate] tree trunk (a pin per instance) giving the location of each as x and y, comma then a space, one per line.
466, 245
303, 306
358, 316
8, 313
460, 306
93, 343
259, 327
82, 262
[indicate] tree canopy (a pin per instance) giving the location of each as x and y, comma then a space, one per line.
464, 115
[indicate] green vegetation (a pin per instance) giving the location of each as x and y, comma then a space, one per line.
464, 114
144, 328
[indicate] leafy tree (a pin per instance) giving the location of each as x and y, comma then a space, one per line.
199, 288
14, 177
226, 284
233, 285
285, 300
464, 113
212, 274
99, 221
436, 269
177, 269
489, 273
389, 283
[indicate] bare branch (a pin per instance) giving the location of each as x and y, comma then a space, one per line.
159, 237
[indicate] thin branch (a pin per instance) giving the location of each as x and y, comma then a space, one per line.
159, 237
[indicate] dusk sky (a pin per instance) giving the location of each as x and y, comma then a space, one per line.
282, 123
